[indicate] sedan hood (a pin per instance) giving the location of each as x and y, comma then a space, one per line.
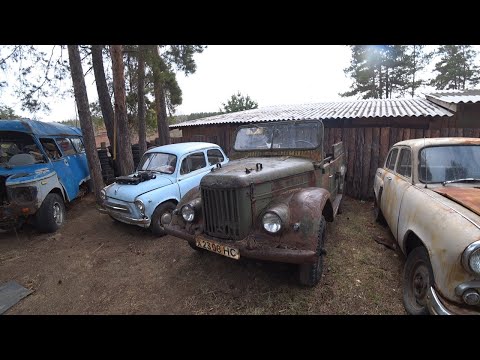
467, 197
130, 192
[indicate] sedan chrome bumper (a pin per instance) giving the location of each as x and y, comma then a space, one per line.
435, 307
144, 222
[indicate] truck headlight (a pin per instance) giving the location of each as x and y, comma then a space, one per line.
272, 222
140, 206
188, 213
471, 258
103, 194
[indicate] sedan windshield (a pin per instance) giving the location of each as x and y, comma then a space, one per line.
282, 135
161, 162
447, 163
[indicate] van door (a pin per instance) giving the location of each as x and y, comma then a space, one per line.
78, 160
61, 165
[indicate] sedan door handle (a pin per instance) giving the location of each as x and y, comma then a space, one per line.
389, 178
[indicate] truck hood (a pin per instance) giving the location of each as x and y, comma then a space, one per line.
25, 174
243, 172
128, 192
467, 197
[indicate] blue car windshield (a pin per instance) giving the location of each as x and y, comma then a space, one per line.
18, 148
161, 162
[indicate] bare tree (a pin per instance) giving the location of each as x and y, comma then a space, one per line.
102, 89
125, 158
142, 132
81, 99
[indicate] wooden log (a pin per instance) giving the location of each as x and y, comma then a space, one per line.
374, 161
367, 179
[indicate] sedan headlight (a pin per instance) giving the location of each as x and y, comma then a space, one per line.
471, 258
103, 194
140, 205
188, 213
272, 222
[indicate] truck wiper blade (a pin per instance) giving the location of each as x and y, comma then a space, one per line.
459, 180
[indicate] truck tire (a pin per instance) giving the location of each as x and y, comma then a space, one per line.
161, 209
310, 274
51, 215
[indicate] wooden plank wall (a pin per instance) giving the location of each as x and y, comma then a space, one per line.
366, 147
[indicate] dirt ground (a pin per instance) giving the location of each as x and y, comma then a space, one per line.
96, 266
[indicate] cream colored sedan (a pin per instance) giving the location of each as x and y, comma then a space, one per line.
428, 192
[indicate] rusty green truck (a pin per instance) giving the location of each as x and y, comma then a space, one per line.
270, 203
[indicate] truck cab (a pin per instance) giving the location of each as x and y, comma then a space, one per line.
271, 202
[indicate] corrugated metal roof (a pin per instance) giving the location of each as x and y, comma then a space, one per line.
455, 96
413, 107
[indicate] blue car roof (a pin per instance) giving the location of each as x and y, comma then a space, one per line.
182, 148
39, 127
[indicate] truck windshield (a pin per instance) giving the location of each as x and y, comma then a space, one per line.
446, 163
282, 135
18, 148
162, 162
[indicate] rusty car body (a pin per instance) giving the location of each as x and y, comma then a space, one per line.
428, 192
42, 166
270, 203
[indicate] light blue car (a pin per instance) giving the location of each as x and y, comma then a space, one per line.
164, 175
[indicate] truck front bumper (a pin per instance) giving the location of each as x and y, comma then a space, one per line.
246, 249
144, 222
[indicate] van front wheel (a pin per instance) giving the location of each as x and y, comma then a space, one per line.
51, 215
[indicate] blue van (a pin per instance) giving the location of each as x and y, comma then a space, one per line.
42, 166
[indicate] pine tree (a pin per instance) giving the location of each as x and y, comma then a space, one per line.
456, 68
416, 59
238, 102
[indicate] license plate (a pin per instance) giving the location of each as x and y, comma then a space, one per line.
218, 248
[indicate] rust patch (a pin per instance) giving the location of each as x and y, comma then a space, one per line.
468, 197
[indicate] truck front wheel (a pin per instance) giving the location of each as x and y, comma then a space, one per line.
51, 215
310, 274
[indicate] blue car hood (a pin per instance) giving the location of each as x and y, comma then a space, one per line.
128, 192
26, 174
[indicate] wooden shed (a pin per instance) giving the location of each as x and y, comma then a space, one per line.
368, 128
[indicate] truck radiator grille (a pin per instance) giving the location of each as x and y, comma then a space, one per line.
221, 213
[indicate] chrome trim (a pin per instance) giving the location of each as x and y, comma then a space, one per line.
466, 255
460, 289
435, 307
124, 218
116, 208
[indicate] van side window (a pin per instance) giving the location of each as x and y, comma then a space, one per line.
51, 148
78, 144
193, 162
66, 146
214, 156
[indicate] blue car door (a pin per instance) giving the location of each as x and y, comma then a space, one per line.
78, 160
192, 168
61, 165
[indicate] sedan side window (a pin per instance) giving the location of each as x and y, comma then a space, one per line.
193, 162
405, 163
392, 158
215, 156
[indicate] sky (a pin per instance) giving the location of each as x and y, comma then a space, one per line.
269, 74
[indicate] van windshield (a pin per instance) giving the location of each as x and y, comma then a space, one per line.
18, 148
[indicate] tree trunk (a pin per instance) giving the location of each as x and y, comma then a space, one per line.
142, 131
102, 90
160, 105
81, 99
124, 158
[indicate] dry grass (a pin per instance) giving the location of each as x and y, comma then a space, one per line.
94, 266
